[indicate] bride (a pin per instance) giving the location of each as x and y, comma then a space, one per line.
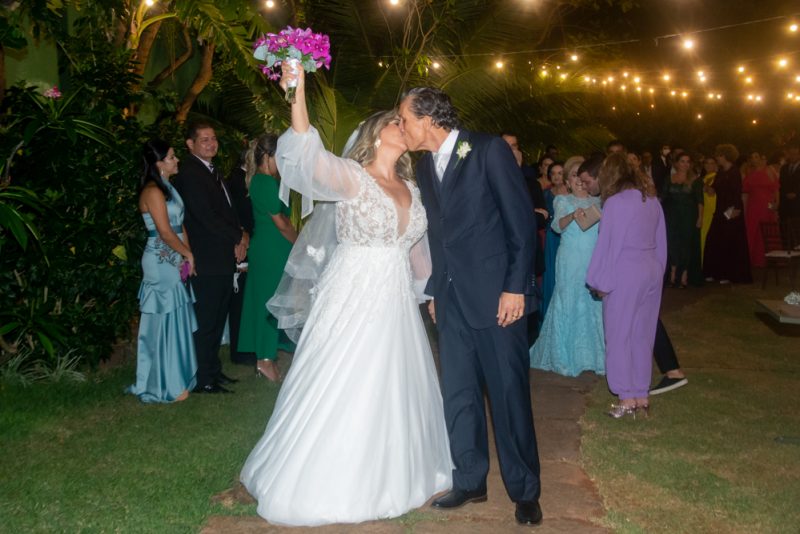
358, 429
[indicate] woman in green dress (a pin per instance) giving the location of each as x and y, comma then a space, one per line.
683, 211
270, 245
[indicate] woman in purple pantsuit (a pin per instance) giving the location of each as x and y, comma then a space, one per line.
627, 270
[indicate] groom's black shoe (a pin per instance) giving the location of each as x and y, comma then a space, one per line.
457, 498
528, 513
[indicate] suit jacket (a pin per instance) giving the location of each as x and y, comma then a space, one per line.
212, 223
661, 173
481, 229
790, 183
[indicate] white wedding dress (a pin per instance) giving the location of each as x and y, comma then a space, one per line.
358, 430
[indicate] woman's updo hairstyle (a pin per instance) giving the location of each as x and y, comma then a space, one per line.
262, 147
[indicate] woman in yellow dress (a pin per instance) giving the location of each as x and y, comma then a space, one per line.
709, 200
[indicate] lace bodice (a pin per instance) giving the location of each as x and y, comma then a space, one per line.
372, 218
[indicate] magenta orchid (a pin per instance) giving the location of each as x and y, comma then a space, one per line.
312, 50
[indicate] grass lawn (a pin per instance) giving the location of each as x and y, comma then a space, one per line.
86, 457
721, 454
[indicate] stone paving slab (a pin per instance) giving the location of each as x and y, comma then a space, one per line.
570, 501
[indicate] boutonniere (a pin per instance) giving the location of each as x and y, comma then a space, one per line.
463, 149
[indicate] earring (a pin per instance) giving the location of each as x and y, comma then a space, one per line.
377, 143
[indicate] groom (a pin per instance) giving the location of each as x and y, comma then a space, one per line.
482, 236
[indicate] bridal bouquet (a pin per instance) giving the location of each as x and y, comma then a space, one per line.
295, 46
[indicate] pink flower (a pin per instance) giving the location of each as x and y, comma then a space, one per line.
53, 93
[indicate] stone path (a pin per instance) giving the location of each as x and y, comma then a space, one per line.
569, 499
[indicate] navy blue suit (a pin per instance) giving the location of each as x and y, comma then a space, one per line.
482, 235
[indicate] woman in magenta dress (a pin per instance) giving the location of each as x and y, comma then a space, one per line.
726, 257
627, 270
760, 196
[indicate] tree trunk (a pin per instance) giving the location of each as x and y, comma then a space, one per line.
145, 46
170, 69
199, 83
2, 73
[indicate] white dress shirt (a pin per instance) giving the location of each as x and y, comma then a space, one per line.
442, 156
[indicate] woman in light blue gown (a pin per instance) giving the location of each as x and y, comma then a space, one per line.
165, 362
571, 340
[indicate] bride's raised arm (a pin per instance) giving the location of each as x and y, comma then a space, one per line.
303, 162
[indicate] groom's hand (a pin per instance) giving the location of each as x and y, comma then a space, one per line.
510, 309
432, 310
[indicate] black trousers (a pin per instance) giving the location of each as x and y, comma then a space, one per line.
212, 300
235, 321
663, 351
495, 359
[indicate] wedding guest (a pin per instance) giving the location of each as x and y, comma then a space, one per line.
571, 340
244, 209
544, 162
626, 270
541, 214
760, 199
615, 146
726, 257
219, 243
269, 249
165, 357
667, 361
789, 203
709, 200
683, 211
647, 163
662, 167
555, 174
635, 161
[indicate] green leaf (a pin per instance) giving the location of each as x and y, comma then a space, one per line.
46, 343
8, 327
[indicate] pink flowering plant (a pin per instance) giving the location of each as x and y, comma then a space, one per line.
293, 45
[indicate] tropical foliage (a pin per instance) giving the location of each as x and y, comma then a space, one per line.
130, 70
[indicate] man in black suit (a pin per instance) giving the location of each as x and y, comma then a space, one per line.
218, 242
237, 187
662, 168
789, 206
482, 236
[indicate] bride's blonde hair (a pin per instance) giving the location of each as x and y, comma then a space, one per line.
364, 149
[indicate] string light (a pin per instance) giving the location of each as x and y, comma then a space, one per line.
394, 2
782, 63
748, 80
740, 70
684, 94
149, 3
652, 90
435, 65
688, 44
574, 57
666, 77
499, 64
793, 28
270, 4
699, 116
637, 79
755, 121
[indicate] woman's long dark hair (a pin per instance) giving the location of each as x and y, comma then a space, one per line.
154, 150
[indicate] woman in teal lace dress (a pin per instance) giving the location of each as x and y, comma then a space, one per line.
165, 360
571, 340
